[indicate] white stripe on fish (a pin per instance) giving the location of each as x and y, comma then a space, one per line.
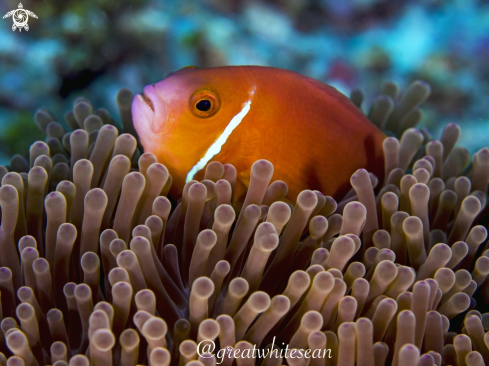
221, 140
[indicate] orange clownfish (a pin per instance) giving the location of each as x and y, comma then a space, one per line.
315, 137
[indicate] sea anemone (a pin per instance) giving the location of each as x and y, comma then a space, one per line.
100, 267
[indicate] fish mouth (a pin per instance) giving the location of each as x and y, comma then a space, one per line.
150, 110
147, 100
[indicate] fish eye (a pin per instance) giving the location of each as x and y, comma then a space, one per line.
204, 103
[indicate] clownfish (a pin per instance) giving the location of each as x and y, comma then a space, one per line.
314, 136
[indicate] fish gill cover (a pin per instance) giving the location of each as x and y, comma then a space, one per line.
99, 266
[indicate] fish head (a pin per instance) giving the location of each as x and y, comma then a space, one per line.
181, 118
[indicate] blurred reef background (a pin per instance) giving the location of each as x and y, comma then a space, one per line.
95, 47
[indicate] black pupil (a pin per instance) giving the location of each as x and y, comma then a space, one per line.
203, 105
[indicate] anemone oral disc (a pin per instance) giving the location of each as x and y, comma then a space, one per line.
215, 148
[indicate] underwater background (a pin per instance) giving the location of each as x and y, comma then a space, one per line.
94, 48
101, 265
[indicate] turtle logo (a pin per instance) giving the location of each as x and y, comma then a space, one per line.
20, 17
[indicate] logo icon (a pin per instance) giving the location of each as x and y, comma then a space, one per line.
20, 17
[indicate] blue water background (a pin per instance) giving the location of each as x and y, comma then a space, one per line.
93, 48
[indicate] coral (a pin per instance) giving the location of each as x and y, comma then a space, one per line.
100, 267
